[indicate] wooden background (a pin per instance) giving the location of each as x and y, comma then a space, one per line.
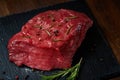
107, 13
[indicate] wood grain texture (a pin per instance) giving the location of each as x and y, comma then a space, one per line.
107, 13
8, 7
3, 8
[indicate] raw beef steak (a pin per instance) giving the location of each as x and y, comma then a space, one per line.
49, 40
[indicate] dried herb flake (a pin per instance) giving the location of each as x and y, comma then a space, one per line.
52, 17
38, 26
52, 25
26, 36
69, 29
48, 32
72, 17
69, 18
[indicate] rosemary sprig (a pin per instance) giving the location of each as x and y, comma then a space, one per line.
73, 71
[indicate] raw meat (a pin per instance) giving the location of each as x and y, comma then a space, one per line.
49, 40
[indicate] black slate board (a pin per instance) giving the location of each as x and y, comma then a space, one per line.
99, 62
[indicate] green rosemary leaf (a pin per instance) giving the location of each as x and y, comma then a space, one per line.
73, 71
73, 75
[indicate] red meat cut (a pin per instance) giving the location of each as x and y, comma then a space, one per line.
49, 40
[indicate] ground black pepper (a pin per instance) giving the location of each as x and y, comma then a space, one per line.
56, 32
3, 72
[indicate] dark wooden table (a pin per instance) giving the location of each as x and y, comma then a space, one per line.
107, 13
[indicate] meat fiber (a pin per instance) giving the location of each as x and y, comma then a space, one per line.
49, 40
